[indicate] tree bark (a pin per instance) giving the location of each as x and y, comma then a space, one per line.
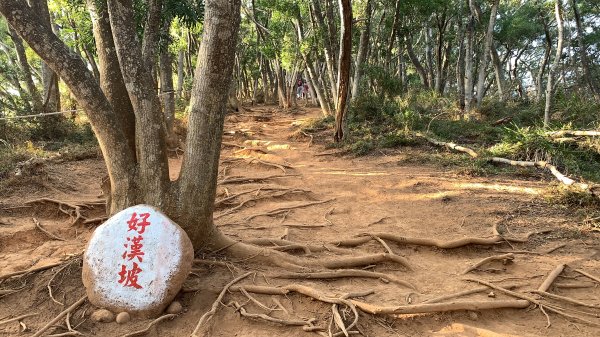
344, 68
544, 63
150, 128
180, 74
111, 78
554, 67
489, 37
166, 79
460, 62
198, 181
327, 46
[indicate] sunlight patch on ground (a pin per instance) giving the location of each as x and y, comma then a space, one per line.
437, 196
500, 188
458, 329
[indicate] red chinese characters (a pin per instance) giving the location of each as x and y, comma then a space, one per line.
133, 252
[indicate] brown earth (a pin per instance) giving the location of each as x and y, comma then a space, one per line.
389, 192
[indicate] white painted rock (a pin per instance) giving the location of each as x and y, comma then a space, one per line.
137, 262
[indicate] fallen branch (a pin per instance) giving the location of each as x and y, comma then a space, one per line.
343, 273
561, 133
451, 146
60, 316
208, 315
544, 165
39, 226
505, 258
153, 323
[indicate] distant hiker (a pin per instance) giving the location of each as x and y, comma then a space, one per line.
299, 88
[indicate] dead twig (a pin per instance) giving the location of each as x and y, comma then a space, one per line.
505, 258
153, 323
208, 315
18, 318
60, 316
39, 226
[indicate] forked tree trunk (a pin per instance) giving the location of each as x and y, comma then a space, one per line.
344, 69
189, 201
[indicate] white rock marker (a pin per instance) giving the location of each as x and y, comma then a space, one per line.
137, 262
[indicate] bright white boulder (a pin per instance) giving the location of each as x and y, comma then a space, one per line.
137, 262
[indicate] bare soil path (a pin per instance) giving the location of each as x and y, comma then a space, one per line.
311, 197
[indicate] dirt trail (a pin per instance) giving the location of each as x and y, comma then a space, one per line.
383, 193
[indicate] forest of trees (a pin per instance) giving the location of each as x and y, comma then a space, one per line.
130, 65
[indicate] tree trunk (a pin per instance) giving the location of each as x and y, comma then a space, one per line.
489, 37
51, 94
344, 68
36, 98
111, 79
460, 62
499, 73
554, 67
469, 61
327, 46
166, 80
180, 75
198, 181
362, 50
415, 61
544, 64
585, 64
150, 128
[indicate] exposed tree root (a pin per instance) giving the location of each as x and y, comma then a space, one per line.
343, 273
505, 258
285, 209
32, 270
74, 211
590, 276
358, 261
451, 146
239, 180
153, 323
60, 316
240, 308
52, 236
532, 300
275, 243
566, 299
208, 315
392, 310
95, 220
403, 240
18, 318
461, 294
551, 278
255, 199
